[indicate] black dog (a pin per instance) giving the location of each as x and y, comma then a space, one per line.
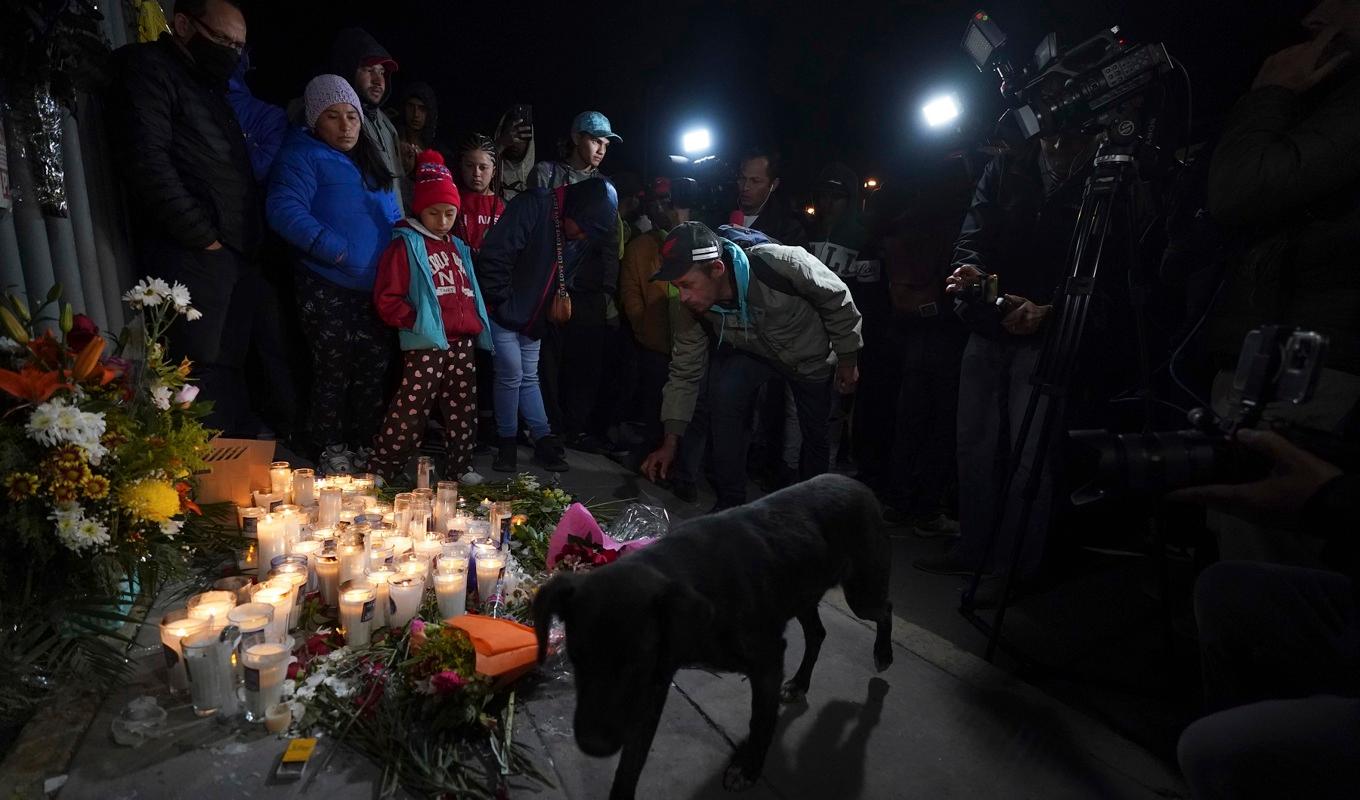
718, 592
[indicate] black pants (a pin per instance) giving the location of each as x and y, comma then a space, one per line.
922, 461
352, 351
220, 286
1281, 653
572, 363
733, 379
653, 370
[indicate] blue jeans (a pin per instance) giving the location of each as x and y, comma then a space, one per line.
517, 393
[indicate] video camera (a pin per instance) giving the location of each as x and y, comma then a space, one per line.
1277, 363
980, 304
709, 191
1081, 88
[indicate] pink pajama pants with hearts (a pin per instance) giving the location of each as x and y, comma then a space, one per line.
429, 378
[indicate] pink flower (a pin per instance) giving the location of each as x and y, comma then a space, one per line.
418, 635
447, 682
186, 395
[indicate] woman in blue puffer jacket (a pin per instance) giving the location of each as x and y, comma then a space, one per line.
324, 201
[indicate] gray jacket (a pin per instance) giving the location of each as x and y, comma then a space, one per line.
806, 333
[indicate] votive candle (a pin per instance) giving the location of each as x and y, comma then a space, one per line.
357, 606
328, 507
379, 576
273, 539
450, 589
280, 476
175, 626
405, 591
304, 487
328, 578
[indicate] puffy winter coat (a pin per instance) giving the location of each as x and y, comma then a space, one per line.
181, 151
318, 202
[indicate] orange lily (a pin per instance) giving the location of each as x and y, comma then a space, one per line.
31, 384
88, 359
185, 502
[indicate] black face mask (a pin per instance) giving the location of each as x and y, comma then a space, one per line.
218, 61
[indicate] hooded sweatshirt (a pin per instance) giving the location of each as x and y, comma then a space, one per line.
353, 48
449, 264
517, 267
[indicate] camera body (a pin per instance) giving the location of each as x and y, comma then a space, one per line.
1081, 89
1278, 363
980, 305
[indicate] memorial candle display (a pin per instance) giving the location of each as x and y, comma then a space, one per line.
293, 576
357, 607
238, 585
175, 626
328, 506
489, 566
450, 588
212, 607
207, 661
280, 478
254, 621
273, 539
406, 592
281, 599
379, 577
353, 560
308, 549
248, 519
267, 500
400, 545
265, 666
304, 487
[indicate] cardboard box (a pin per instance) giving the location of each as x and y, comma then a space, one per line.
235, 467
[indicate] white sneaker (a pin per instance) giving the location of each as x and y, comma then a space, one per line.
471, 478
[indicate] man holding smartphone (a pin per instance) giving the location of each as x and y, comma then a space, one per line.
515, 151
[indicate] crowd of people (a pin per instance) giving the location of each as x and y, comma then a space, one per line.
494, 300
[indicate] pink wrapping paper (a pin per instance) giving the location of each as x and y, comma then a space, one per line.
579, 522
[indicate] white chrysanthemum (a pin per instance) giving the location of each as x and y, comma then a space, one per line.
75, 530
160, 396
42, 423
171, 528
143, 294
179, 295
59, 422
160, 287
91, 533
193, 315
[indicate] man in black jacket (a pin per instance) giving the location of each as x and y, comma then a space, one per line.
191, 189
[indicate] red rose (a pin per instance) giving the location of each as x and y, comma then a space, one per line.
83, 331
446, 682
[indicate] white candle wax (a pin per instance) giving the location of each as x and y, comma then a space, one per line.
400, 545
212, 607
175, 626
328, 578
357, 607
265, 666
254, 620
273, 539
292, 524
488, 570
267, 500
328, 507
304, 487
451, 590
282, 601
353, 563
310, 548
280, 476
296, 582
405, 591
379, 577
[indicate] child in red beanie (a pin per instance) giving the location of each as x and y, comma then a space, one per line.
427, 289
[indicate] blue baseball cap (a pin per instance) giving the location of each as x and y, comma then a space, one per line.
593, 123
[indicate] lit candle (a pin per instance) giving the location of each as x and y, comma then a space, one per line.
453, 553
248, 519
401, 511
480, 529
405, 591
248, 558
280, 598
324, 535
293, 520
267, 500
238, 585
254, 620
418, 519
427, 549
265, 666
353, 563
400, 545
273, 539
280, 476
347, 516
328, 507
357, 606
304, 487
445, 504
381, 553
366, 484
308, 549
458, 524
451, 590
293, 576
499, 511
414, 566
212, 607
207, 660
424, 470
175, 626
489, 566
328, 578
379, 577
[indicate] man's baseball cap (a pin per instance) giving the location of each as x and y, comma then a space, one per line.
689, 243
593, 123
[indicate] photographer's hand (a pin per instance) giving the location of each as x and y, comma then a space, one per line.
1024, 316
965, 275
1294, 479
1301, 66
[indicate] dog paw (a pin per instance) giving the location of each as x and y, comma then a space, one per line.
791, 692
735, 778
883, 656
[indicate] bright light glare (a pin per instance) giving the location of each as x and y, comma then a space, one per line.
941, 111
696, 141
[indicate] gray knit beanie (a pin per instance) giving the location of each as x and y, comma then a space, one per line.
324, 91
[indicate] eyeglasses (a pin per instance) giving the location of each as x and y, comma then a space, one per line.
219, 37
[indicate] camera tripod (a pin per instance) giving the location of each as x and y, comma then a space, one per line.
1108, 193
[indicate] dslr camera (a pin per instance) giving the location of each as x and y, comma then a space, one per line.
980, 305
1081, 88
1278, 363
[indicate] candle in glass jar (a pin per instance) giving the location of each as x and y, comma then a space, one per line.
280, 598
450, 588
292, 522
248, 519
489, 566
458, 524
304, 487
328, 507
406, 592
401, 510
347, 516
328, 578
254, 620
265, 666
424, 471
379, 577
238, 585
273, 539
309, 549
366, 484
499, 511
353, 563
295, 577
280, 476
212, 607
414, 566
267, 500
175, 626
357, 607
207, 661
382, 553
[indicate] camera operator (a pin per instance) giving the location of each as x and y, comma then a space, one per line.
1286, 176
1018, 226
1280, 645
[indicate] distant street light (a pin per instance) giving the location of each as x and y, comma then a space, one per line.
871, 184
941, 111
696, 141
811, 211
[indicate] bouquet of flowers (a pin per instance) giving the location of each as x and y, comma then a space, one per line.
97, 454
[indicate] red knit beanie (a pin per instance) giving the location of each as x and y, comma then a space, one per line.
433, 183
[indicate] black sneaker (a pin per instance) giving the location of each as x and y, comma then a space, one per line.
550, 454
588, 443
507, 456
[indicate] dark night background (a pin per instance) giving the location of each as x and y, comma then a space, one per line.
839, 79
